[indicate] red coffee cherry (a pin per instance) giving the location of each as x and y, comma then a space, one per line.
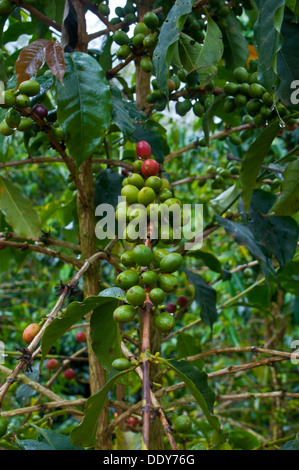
41, 111
52, 364
143, 149
182, 300
81, 337
171, 307
150, 167
69, 374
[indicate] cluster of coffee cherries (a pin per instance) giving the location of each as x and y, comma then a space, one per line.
246, 91
150, 271
15, 102
143, 42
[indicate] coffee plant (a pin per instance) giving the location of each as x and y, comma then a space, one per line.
121, 328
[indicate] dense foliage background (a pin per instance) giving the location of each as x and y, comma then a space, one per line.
242, 318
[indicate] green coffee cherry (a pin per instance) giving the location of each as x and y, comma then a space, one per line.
121, 38
5, 129
143, 255
146, 196
171, 263
164, 322
123, 52
22, 101
121, 364
158, 255
9, 99
141, 28
182, 424
165, 194
29, 88
146, 64
127, 259
148, 278
25, 125
154, 182
137, 40
124, 313
167, 282
130, 192
127, 279
136, 180
241, 75
157, 296
151, 20
136, 296
13, 118
137, 164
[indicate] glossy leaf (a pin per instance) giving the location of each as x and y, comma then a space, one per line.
84, 105
235, 45
75, 312
197, 384
54, 56
108, 187
269, 40
205, 296
85, 434
30, 60
195, 56
288, 201
18, 210
254, 159
277, 235
287, 67
168, 37
105, 334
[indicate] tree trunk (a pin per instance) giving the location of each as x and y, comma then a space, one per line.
143, 88
86, 216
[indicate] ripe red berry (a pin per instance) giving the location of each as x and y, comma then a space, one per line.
182, 300
52, 364
150, 168
81, 337
125, 172
171, 307
143, 149
41, 111
132, 421
69, 374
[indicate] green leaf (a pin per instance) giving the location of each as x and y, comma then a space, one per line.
287, 67
288, 278
288, 201
18, 210
254, 159
276, 235
242, 439
205, 296
105, 334
211, 261
121, 113
108, 187
168, 38
54, 439
198, 57
197, 383
291, 445
222, 202
75, 312
85, 434
243, 236
235, 45
209, 115
294, 6
268, 41
84, 105
188, 345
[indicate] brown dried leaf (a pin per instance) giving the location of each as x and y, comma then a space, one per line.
55, 60
30, 60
